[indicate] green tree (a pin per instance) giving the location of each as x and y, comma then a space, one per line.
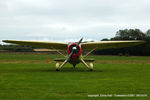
105, 39
129, 34
148, 33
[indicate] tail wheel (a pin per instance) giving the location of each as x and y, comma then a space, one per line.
57, 66
91, 66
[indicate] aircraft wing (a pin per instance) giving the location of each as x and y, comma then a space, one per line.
100, 45
40, 44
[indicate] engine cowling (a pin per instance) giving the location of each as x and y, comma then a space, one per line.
76, 52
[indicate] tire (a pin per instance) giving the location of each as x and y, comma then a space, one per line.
57, 66
91, 66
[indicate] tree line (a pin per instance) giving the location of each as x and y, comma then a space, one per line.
16, 48
129, 34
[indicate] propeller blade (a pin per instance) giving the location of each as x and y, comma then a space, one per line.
79, 42
65, 61
70, 55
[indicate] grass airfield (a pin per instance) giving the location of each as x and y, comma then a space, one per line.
29, 77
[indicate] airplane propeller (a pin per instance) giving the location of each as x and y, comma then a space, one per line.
73, 50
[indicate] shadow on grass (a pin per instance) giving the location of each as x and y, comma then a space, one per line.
20, 70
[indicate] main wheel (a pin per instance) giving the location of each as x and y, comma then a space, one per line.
91, 66
57, 66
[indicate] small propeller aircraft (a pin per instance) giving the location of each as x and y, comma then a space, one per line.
74, 49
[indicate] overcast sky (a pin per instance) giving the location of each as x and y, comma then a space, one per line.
67, 20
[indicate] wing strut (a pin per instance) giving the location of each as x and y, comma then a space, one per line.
60, 53
89, 52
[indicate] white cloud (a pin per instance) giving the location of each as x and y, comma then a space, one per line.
70, 19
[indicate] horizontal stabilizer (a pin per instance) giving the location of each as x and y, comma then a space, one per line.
89, 60
63, 59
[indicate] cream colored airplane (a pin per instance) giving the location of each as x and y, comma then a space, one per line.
75, 49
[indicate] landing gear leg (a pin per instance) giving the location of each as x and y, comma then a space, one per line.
58, 67
90, 66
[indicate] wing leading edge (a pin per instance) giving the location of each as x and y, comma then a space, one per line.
100, 45
40, 44
109, 44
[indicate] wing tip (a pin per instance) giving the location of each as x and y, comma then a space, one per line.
4, 40
7, 41
142, 41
